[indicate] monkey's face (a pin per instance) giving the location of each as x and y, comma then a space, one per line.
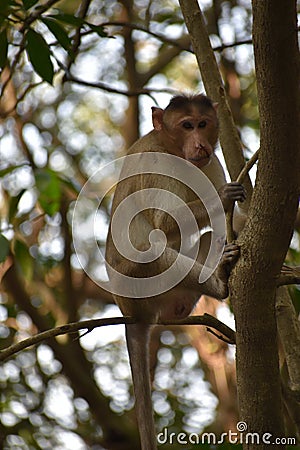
196, 135
190, 133
199, 137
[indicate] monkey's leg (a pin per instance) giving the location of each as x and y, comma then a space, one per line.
216, 282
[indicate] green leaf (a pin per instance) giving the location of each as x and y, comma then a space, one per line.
97, 29
39, 55
49, 187
13, 206
3, 48
23, 259
59, 32
79, 22
29, 3
68, 18
4, 248
10, 169
4, 4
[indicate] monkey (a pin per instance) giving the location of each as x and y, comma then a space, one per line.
186, 129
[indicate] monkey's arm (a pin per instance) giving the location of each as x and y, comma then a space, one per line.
229, 193
191, 273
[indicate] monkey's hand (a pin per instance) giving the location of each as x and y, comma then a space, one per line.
227, 262
230, 193
289, 275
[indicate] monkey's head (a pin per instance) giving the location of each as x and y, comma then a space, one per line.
188, 127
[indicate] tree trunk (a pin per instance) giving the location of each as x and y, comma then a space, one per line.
265, 239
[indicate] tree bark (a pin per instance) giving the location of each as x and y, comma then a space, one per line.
265, 239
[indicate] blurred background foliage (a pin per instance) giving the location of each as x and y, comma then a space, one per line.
78, 78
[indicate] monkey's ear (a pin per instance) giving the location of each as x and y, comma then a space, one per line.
157, 117
216, 105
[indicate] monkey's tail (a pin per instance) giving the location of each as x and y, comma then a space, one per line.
137, 336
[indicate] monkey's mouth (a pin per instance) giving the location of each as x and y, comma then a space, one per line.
201, 160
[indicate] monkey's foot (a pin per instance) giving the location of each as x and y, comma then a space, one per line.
228, 260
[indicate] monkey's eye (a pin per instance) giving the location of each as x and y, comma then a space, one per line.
187, 125
202, 124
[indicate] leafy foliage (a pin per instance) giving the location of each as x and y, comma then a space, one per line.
3, 48
39, 55
4, 248
79, 22
37, 48
59, 32
48, 185
29, 3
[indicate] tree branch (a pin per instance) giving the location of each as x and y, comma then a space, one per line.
89, 325
107, 88
181, 43
82, 12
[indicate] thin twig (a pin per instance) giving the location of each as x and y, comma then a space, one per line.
160, 37
207, 320
222, 47
219, 336
248, 166
82, 12
131, 93
166, 40
229, 215
64, 329
37, 12
20, 98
